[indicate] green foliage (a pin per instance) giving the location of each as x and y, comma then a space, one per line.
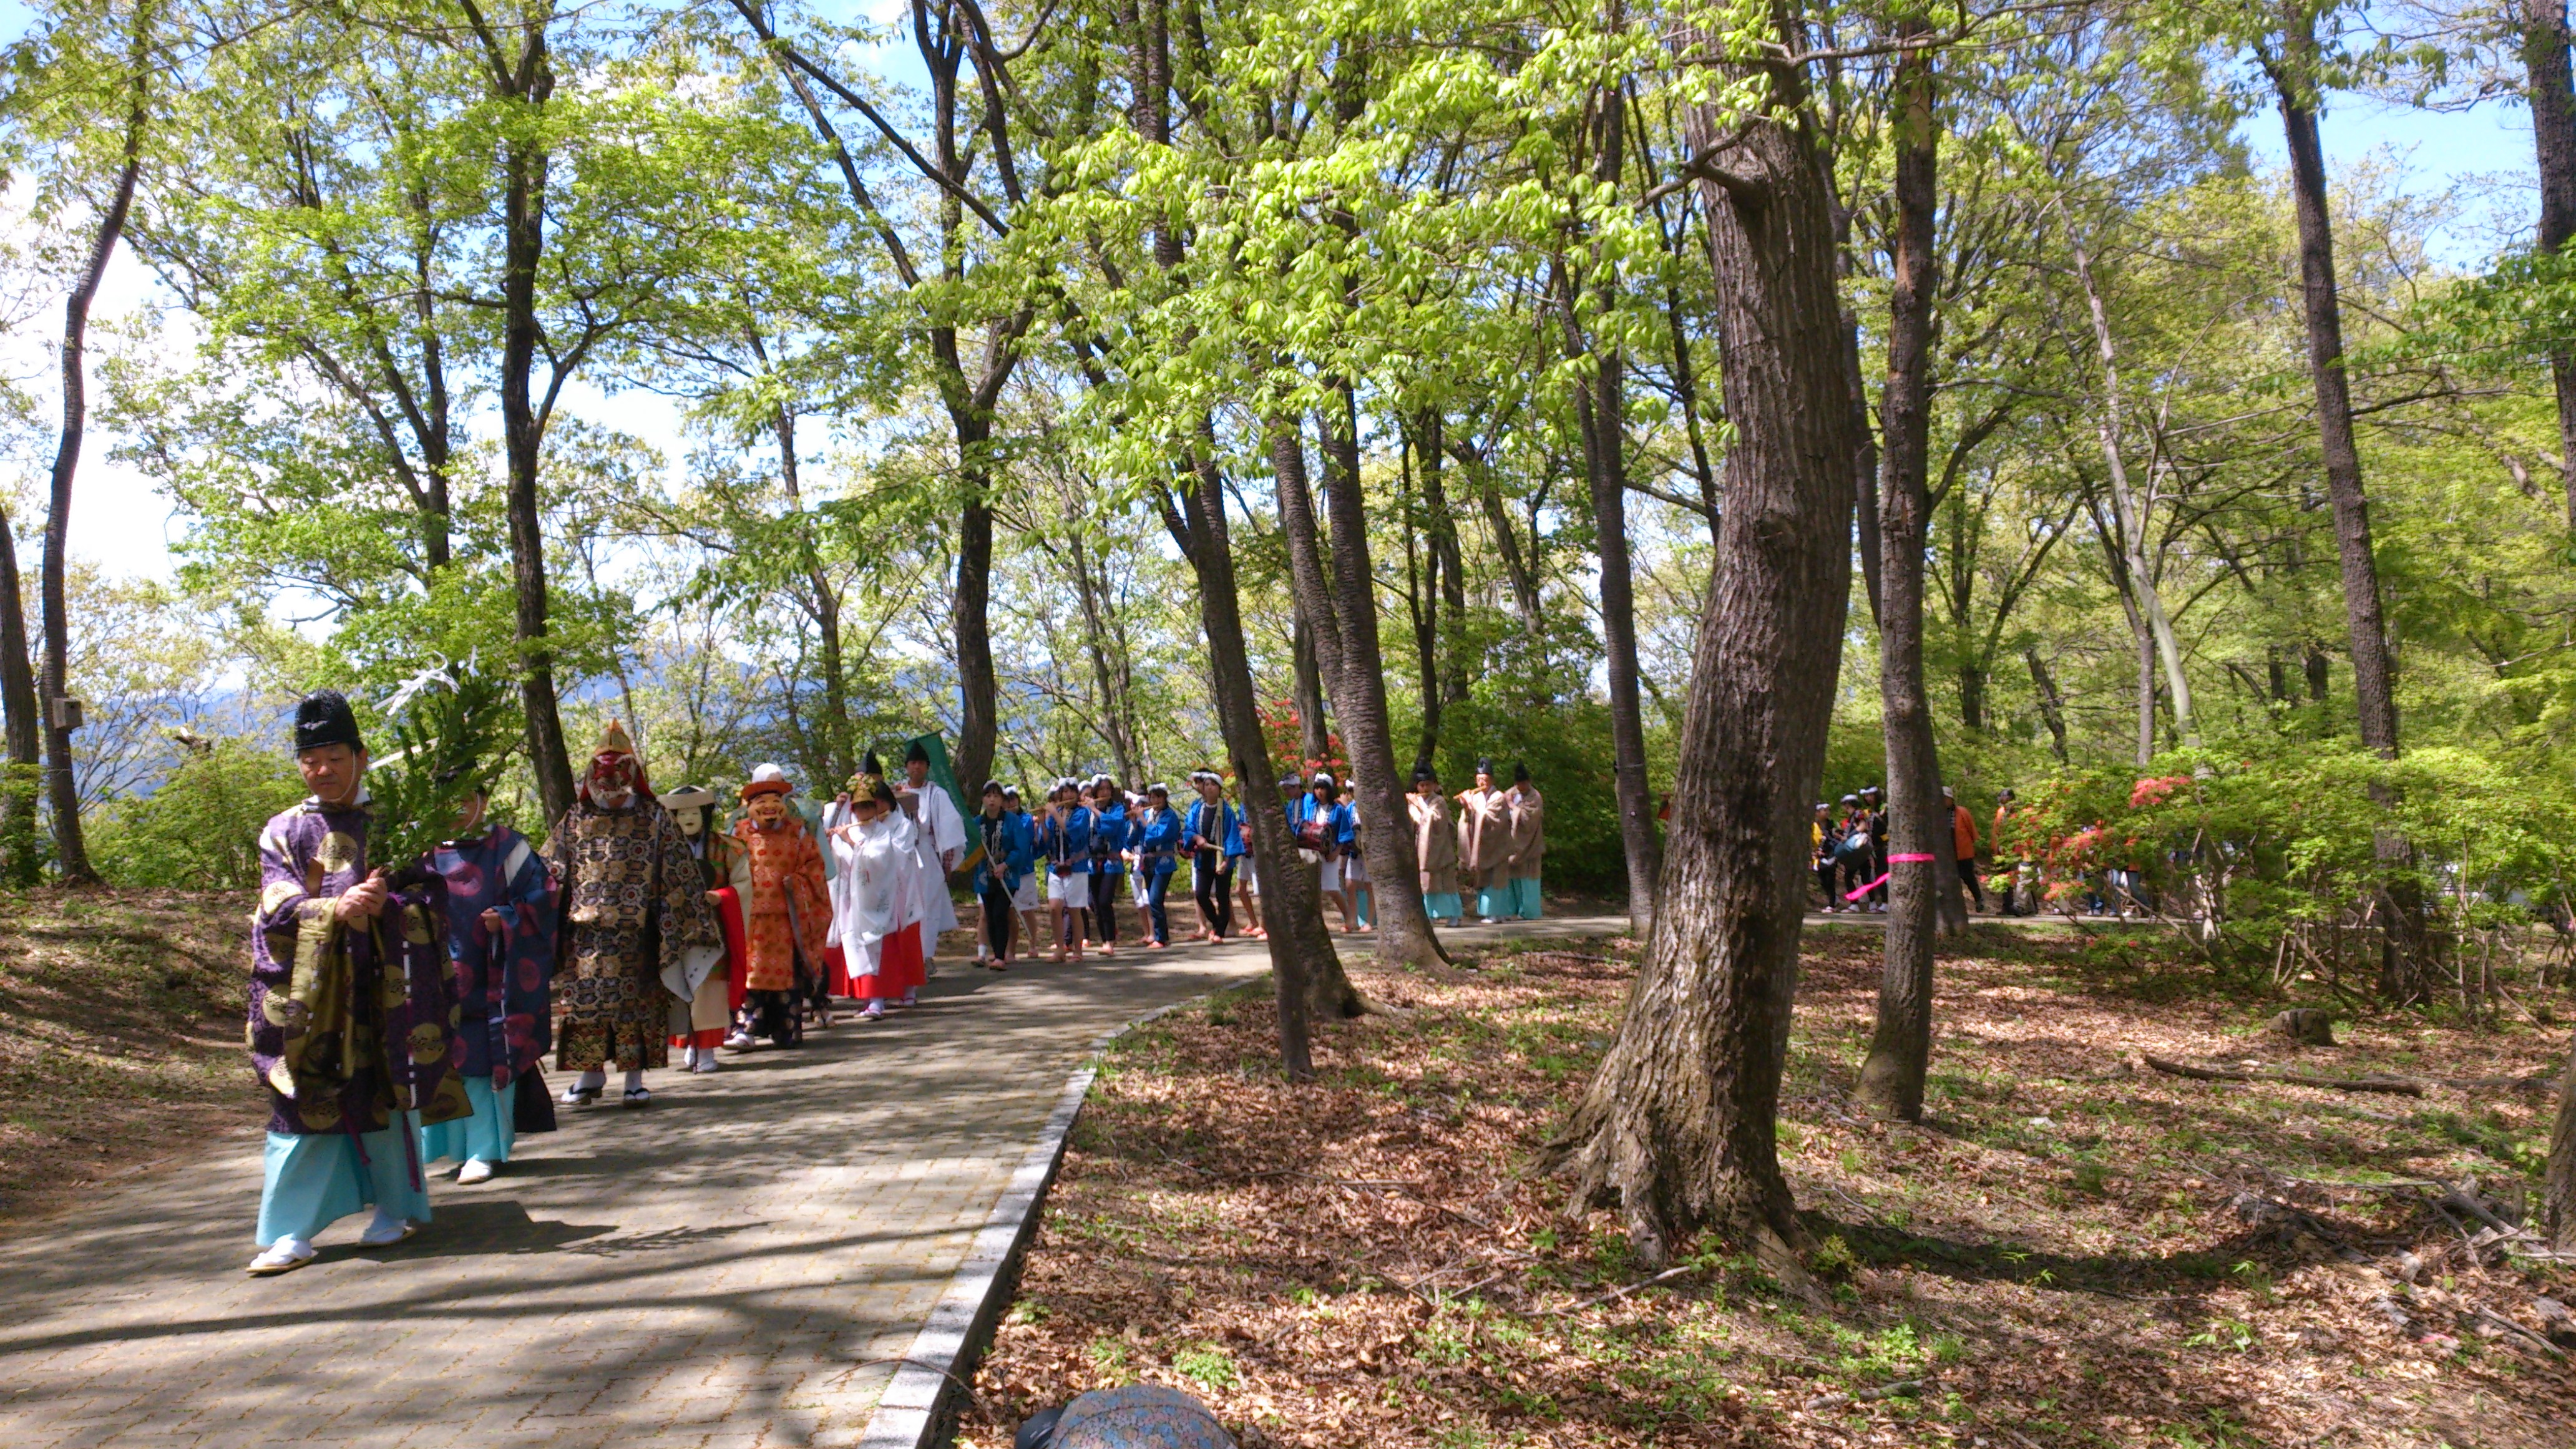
450, 729
2295, 836
200, 829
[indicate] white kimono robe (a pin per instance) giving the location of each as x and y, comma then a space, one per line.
940, 831
870, 889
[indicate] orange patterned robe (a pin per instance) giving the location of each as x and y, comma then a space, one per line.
788, 909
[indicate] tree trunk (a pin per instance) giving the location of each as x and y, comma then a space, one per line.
1453, 566
21, 772
523, 439
2052, 705
1342, 606
71, 848
2131, 513
1678, 1127
2373, 672
1601, 409
1306, 684
2558, 1190
2403, 958
2552, 94
1422, 600
978, 721
1297, 941
1095, 644
1900, 1049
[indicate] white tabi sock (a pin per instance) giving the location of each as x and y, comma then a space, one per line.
635, 1081
594, 1079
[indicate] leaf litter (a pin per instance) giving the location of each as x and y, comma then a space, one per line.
2070, 1250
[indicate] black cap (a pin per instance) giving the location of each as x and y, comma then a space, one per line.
1424, 773
1484, 764
324, 718
916, 753
872, 765
1520, 773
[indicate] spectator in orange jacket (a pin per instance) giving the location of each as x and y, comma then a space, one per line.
1963, 844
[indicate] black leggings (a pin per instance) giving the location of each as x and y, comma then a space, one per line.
1825, 883
1968, 878
1212, 886
1104, 905
999, 916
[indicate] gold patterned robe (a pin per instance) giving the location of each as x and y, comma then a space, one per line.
634, 906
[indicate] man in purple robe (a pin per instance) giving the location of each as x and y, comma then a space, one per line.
501, 941
349, 1010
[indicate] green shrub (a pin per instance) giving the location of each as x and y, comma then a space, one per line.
200, 829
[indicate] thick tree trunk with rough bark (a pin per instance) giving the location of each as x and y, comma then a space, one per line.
20, 727
2551, 91
1900, 1049
1339, 599
1678, 1127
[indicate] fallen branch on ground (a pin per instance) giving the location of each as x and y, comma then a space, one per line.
1901, 1389
1664, 1276
2402, 1086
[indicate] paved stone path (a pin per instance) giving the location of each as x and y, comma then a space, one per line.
730, 1268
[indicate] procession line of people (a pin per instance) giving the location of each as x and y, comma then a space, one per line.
401, 1011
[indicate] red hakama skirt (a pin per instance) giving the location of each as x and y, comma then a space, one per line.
899, 969
728, 906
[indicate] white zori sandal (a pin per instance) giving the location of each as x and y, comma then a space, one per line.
283, 1256
474, 1171
384, 1232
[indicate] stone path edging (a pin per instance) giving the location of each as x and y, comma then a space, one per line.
918, 1408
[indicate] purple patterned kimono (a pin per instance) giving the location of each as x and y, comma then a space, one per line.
347, 1026
503, 987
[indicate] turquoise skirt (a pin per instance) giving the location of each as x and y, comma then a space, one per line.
315, 1180
484, 1137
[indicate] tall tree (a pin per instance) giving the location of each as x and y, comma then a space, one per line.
1678, 1127
132, 86
20, 863
2551, 91
1900, 1048
1601, 412
957, 48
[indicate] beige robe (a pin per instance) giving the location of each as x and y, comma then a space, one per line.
1484, 836
1435, 844
1527, 814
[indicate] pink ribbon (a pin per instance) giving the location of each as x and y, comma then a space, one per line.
1911, 859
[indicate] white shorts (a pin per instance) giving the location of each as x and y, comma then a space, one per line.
1243, 872
1027, 896
1354, 870
1069, 890
1332, 875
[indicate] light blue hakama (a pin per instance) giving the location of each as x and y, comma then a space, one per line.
1511, 899
1443, 905
484, 1137
314, 1180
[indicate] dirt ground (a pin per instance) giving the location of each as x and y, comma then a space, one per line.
120, 1037
2073, 1250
